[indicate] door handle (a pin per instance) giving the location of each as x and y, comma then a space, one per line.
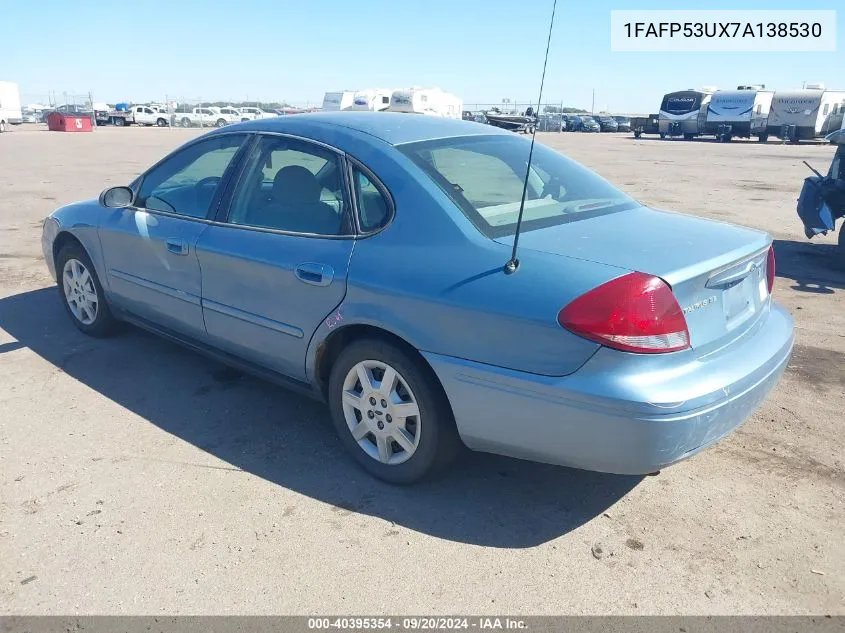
176, 246
314, 274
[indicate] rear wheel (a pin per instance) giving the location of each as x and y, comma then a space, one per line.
119, 121
221, 122
763, 138
82, 293
186, 122
161, 122
390, 412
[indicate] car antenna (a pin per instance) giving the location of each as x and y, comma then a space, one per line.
810, 167
513, 263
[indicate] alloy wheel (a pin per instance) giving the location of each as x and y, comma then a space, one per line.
80, 292
381, 412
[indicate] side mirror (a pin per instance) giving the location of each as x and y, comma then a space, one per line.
117, 197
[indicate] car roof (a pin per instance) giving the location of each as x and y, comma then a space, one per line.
395, 128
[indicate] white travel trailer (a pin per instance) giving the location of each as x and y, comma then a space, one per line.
806, 114
10, 105
743, 112
429, 101
341, 100
374, 99
684, 113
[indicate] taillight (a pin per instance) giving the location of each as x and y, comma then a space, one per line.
633, 313
770, 269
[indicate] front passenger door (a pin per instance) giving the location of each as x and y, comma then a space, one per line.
150, 248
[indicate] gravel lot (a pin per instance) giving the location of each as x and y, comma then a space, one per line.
137, 477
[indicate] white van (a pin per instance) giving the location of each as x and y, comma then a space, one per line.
10, 105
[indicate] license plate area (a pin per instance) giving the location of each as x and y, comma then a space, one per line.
738, 301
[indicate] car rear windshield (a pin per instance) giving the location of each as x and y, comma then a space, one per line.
484, 176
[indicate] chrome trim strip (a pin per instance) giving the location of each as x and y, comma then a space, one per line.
253, 319
151, 285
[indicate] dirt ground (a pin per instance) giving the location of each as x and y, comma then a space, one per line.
137, 477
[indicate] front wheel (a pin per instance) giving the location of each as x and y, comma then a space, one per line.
390, 412
161, 122
221, 122
82, 293
186, 122
119, 121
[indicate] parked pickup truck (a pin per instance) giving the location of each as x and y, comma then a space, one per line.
250, 114
230, 114
138, 114
202, 117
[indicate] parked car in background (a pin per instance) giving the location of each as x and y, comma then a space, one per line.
251, 114
202, 117
137, 114
623, 123
584, 123
607, 123
231, 115
307, 270
30, 117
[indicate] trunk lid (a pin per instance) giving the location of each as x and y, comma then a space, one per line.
716, 270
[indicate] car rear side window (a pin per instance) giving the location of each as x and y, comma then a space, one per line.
294, 186
484, 176
373, 207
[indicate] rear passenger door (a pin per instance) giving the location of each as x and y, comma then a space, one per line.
276, 266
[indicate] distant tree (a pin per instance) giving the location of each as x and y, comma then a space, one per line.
552, 109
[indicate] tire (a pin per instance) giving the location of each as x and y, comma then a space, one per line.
186, 122
221, 122
119, 121
663, 135
430, 434
637, 134
68, 263
762, 138
161, 122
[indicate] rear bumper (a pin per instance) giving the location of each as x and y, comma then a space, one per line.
620, 413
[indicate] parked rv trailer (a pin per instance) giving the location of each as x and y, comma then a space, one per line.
429, 101
743, 113
10, 105
374, 99
341, 100
684, 113
806, 114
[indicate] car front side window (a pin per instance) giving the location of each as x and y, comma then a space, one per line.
187, 182
293, 186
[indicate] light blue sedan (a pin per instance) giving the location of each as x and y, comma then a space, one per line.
361, 258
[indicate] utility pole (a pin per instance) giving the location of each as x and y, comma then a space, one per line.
593, 107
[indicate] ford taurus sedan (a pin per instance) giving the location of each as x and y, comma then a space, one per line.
361, 258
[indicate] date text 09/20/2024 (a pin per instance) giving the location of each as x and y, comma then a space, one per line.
416, 623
